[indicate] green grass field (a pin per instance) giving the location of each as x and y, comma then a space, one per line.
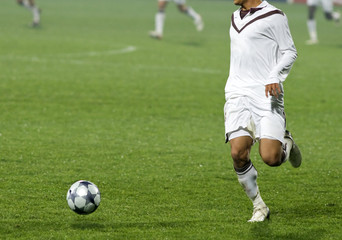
88, 95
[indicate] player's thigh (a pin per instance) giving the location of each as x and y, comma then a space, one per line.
313, 2
327, 6
236, 116
272, 130
272, 126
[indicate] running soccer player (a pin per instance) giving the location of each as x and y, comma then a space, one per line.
160, 17
30, 5
262, 54
329, 14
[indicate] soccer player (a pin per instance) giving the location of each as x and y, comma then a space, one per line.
160, 17
262, 54
30, 5
329, 14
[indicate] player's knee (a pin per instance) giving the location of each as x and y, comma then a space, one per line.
272, 159
239, 156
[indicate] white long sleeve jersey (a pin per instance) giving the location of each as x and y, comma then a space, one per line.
262, 52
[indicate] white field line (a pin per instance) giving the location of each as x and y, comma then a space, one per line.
128, 49
101, 53
63, 60
183, 69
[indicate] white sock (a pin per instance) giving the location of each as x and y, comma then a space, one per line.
36, 14
312, 29
159, 22
193, 14
34, 9
247, 178
257, 201
288, 148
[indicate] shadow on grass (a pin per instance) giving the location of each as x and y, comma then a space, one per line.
297, 227
154, 225
140, 225
193, 44
188, 43
262, 231
87, 225
308, 210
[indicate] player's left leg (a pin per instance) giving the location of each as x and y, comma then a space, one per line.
293, 153
192, 13
272, 152
311, 23
35, 12
30, 5
159, 20
276, 144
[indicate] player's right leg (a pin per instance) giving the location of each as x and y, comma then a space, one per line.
247, 174
159, 20
240, 131
311, 22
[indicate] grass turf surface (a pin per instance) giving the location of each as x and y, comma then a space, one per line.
89, 96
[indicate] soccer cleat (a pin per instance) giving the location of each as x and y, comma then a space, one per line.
35, 24
199, 24
295, 157
311, 42
154, 34
336, 16
260, 213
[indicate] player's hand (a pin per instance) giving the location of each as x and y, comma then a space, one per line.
272, 89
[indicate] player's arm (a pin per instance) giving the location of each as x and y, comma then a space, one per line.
281, 34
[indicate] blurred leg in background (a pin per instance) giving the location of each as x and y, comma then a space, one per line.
30, 5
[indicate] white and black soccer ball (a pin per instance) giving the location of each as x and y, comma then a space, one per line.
83, 197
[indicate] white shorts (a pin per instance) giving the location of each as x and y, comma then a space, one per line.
246, 117
327, 5
178, 2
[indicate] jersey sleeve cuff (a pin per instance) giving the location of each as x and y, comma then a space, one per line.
272, 80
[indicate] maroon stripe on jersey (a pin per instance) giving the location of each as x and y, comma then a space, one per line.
255, 19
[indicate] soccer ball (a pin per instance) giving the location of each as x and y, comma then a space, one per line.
83, 197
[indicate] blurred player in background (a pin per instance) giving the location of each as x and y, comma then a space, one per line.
30, 5
262, 55
327, 6
160, 17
